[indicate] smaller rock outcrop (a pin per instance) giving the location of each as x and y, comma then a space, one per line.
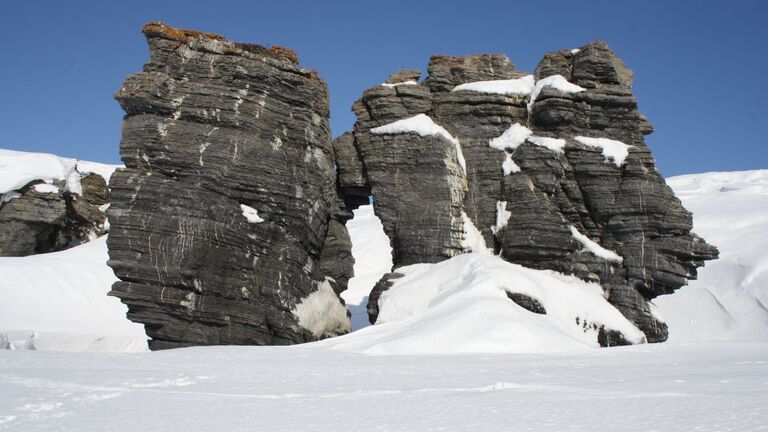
61, 206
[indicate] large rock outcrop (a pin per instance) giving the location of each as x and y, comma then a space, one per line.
557, 174
226, 223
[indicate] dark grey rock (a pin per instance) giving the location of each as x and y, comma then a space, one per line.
627, 209
40, 222
526, 302
212, 125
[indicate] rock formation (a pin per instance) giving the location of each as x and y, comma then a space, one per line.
551, 168
226, 223
43, 217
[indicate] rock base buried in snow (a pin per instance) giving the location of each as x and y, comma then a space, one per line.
462, 305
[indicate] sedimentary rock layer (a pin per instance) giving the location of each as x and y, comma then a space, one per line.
226, 224
557, 174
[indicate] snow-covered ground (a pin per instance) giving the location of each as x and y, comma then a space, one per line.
57, 301
730, 298
663, 387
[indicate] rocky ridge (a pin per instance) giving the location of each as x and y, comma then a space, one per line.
557, 175
226, 224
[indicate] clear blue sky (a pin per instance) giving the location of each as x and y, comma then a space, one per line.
700, 67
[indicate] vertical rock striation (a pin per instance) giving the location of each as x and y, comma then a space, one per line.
557, 174
226, 223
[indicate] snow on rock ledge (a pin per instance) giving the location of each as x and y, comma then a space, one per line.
423, 125
612, 149
519, 86
594, 248
462, 306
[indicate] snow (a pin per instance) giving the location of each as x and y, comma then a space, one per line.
662, 387
58, 301
511, 138
575, 50
519, 86
502, 216
17, 169
250, 214
557, 82
473, 239
423, 125
729, 301
373, 258
322, 313
555, 144
612, 149
46, 188
393, 85
420, 313
509, 166
594, 248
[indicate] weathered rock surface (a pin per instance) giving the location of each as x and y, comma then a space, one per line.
545, 199
42, 217
226, 223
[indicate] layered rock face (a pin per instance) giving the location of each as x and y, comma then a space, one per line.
45, 217
557, 174
226, 223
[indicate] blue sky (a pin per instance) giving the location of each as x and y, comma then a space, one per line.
700, 66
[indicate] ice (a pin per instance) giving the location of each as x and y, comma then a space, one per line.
594, 248
250, 214
612, 149
423, 125
519, 86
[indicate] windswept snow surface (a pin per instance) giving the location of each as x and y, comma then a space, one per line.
661, 387
461, 306
58, 301
557, 82
730, 298
17, 169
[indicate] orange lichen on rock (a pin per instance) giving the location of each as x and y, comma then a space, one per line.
284, 53
157, 28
